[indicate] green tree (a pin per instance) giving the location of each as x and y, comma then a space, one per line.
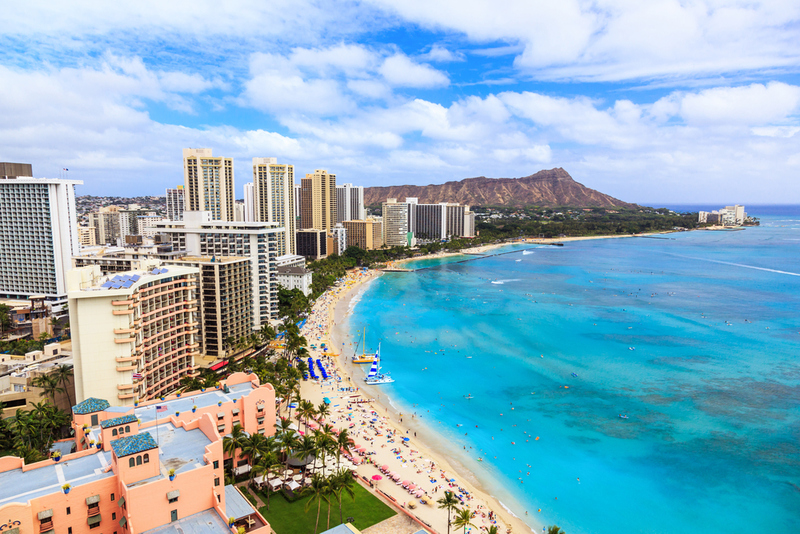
63, 373
49, 384
450, 503
554, 530
265, 466
463, 519
342, 483
232, 443
320, 490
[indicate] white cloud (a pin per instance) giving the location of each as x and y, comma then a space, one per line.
442, 54
606, 40
400, 71
755, 104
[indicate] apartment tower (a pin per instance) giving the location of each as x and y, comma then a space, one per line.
176, 201
273, 192
38, 235
395, 223
209, 183
350, 203
318, 202
249, 202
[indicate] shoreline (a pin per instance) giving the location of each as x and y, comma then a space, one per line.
485, 249
331, 316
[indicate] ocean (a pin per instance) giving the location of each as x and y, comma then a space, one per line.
524, 362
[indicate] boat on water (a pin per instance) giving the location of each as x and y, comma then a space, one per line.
623, 416
375, 377
364, 357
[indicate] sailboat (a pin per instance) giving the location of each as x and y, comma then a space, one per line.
364, 358
375, 377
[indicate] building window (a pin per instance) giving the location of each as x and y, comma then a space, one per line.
114, 432
132, 462
112, 496
113, 516
216, 481
174, 499
69, 530
95, 525
127, 428
138, 460
68, 510
146, 458
216, 464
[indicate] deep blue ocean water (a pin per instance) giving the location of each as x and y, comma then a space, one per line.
696, 338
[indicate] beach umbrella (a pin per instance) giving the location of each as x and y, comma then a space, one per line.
412, 487
406, 439
377, 477
419, 493
384, 468
405, 483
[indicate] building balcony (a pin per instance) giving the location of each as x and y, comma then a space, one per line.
125, 359
122, 312
123, 396
125, 387
125, 340
126, 368
127, 330
122, 302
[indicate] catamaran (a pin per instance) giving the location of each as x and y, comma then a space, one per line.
364, 358
375, 377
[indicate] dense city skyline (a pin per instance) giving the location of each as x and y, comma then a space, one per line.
656, 103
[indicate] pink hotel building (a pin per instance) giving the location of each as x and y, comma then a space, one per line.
122, 484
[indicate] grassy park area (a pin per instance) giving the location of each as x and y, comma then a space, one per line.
291, 518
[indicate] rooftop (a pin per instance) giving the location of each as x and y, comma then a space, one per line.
236, 505
201, 400
207, 522
118, 421
90, 405
180, 449
292, 270
16, 486
133, 444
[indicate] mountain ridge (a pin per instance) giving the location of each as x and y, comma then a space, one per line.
546, 188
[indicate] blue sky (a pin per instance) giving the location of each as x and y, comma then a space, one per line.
654, 102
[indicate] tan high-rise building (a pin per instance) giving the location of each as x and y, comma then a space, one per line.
86, 236
395, 223
209, 183
366, 234
226, 302
273, 191
318, 200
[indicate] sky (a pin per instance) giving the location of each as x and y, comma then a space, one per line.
655, 101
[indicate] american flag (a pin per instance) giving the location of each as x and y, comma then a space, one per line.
137, 376
161, 408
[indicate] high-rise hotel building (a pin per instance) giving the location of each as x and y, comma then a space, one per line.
134, 333
318, 201
395, 223
350, 203
209, 183
273, 191
198, 235
176, 201
38, 234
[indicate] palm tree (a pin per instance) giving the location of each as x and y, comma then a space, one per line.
307, 447
49, 385
289, 442
232, 443
463, 518
267, 333
319, 489
554, 530
253, 448
449, 502
267, 462
305, 411
323, 410
343, 441
492, 530
63, 373
342, 482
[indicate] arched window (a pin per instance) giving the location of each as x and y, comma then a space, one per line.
114, 432
127, 428
146, 457
132, 462
138, 460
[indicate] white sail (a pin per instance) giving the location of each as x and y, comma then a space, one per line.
373, 371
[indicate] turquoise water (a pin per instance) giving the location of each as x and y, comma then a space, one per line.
711, 388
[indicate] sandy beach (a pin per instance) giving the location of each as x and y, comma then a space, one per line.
389, 438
